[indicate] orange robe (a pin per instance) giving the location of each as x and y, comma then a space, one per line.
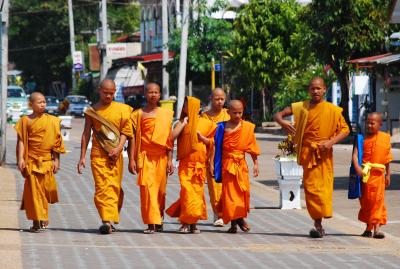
313, 125
41, 136
372, 200
235, 197
214, 188
107, 174
151, 145
192, 156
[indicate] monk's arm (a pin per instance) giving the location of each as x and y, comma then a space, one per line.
255, 167
56, 162
355, 162
387, 177
170, 166
287, 125
115, 152
177, 130
20, 155
84, 143
211, 162
131, 155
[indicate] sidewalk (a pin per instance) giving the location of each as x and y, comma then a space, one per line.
278, 238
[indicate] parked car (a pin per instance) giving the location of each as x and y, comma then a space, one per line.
17, 103
52, 104
77, 105
136, 101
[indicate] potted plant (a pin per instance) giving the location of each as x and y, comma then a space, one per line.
286, 166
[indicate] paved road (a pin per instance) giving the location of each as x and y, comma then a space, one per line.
278, 238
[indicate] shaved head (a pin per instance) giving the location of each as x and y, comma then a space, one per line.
153, 85
235, 104
35, 95
107, 84
317, 80
375, 115
217, 92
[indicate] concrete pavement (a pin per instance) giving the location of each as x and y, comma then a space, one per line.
278, 238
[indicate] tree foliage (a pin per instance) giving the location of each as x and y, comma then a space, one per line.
342, 30
268, 37
207, 39
39, 34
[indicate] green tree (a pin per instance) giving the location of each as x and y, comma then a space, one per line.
207, 39
268, 38
346, 29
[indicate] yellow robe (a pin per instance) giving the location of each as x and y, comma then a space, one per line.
214, 188
41, 136
235, 196
372, 200
107, 174
192, 156
321, 122
151, 145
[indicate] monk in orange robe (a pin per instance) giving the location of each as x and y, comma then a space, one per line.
194, 135
217, 113
111, 126
150, 155
238, 139
39, 145
318, 126
376, 158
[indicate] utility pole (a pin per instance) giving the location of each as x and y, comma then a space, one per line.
183, 57
165, 54
72, 39
178, 14
103, 39
3, 79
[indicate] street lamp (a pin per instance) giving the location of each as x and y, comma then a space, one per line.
4, 4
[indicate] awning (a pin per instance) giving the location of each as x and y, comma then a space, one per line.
155, 57
372, 61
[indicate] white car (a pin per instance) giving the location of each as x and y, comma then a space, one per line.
17, 103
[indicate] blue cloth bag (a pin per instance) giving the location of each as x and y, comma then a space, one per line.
218, 139
354, 179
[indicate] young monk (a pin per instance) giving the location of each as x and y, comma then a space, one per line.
110, 124
318, 126
217, 113
234, 138
194, 135
39, 145
150, 156
375, 171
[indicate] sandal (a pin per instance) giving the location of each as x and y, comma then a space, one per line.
113, 229
150, 229
379, 235
314, 233
159, 228
232, 230
243, 225
184, 229
34, 229
105, 228
44, 224
367, 234
194, 229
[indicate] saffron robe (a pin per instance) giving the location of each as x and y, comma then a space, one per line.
107, 174
313, 125
151, 145
41, 137
235, 196
214, 188
372, 200
192, 156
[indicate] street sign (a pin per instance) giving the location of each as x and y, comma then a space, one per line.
77, 60
217, 67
